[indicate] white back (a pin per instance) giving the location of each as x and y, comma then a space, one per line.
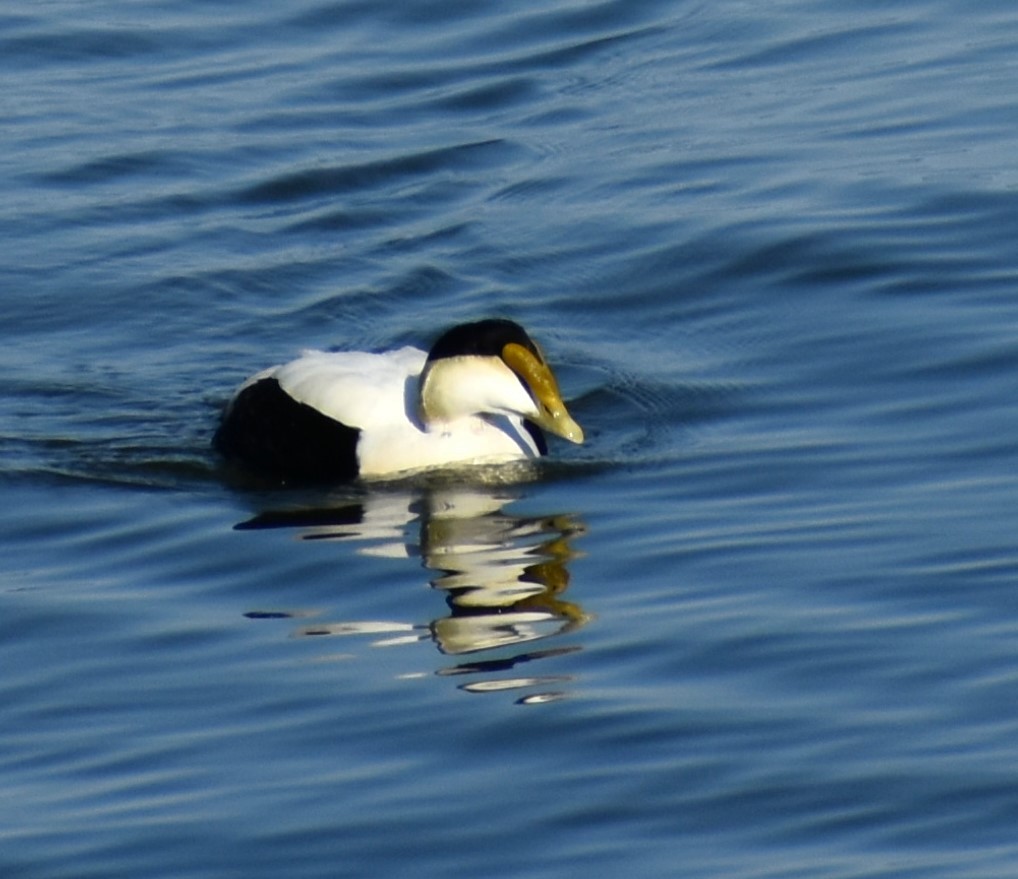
356, 388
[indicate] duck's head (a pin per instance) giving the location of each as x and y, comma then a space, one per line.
493, 366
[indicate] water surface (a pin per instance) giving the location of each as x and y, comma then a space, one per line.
762, 624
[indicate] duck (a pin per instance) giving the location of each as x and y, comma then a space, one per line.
482, 394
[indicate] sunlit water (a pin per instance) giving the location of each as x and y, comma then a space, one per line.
764, 623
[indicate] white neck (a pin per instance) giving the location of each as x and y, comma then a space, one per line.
455, 387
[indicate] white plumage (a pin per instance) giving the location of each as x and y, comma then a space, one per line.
353, 387
478, 397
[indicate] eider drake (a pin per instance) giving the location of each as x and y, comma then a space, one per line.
482, 394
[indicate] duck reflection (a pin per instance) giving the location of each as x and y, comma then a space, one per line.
503, 575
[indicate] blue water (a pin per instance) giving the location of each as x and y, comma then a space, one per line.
764, 623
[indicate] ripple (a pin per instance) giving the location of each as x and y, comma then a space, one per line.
335, 181
763, 618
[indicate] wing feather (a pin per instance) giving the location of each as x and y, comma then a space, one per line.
358, 389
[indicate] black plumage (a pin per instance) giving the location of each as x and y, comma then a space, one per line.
275, 435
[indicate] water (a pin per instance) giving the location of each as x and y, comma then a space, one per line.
762, 624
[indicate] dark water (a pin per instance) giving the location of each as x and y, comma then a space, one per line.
763, 624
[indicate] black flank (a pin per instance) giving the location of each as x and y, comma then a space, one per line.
265, 429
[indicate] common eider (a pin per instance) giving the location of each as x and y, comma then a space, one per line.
482, 394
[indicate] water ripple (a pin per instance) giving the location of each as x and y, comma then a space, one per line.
761, 624
336, 181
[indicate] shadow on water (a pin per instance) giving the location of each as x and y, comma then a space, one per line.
503, 576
